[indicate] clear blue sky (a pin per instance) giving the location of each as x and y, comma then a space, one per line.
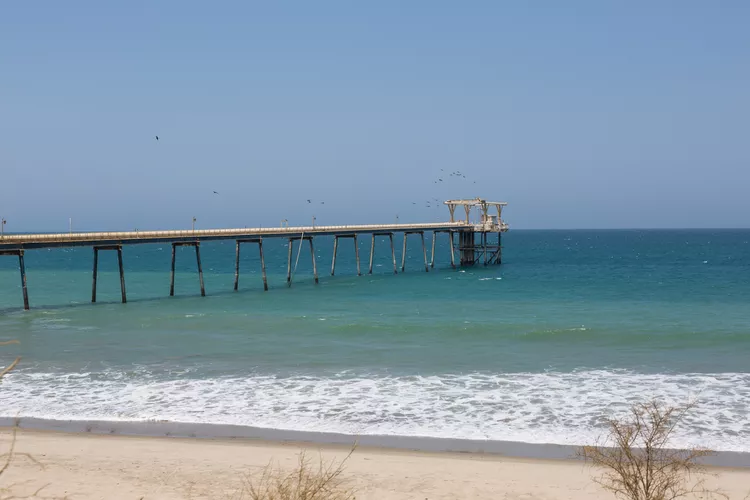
579, 114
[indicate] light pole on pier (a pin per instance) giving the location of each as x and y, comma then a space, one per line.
194, 219
2, 228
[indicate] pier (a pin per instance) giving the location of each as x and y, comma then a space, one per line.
474, 241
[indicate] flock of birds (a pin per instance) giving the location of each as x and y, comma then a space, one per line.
431, 203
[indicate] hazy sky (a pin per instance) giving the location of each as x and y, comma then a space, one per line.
579, 114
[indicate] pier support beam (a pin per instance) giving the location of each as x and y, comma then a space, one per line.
22, 267
237, 265
372, 252
453, 258
289, 273
434, 238
197, 245
335, 251
336, 247
466, 248
499, 258
356, 254
122, 275
94, 273
484, 246
119, 265
200, 268
432, 258
259, 241
393, 253
314, 263
424, 251
393, 250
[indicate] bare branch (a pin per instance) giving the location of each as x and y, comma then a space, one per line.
637, 462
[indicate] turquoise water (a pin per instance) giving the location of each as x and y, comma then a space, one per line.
572, 327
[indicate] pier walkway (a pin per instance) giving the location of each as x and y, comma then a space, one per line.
469, 249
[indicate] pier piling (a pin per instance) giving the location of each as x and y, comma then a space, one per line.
237, 266
424, 250
22, 266
499, 258
403, 254
195, 244
120, 267
314, 263
289, 263
262, 264
484, 247
94, 275
171, 275
356, 253
372, 252
393, 253
466, 247
453, 258
432, 258
259, 241
335, 251
122, 275
393, 250
289, 273
200, 268
434, 240
336, 247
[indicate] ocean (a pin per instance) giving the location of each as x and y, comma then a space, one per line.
572, 328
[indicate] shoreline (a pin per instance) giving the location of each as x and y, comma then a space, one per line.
259, 435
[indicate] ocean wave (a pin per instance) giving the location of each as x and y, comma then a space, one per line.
552, 407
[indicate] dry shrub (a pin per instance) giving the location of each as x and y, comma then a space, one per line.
639, 465
3, 372
306, 481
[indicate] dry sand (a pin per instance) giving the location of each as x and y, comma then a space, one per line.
84, 466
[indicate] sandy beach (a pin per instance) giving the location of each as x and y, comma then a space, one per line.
86, 466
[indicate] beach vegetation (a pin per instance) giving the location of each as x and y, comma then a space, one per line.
308, 480
638, 462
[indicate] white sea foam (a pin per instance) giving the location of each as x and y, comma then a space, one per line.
553, 407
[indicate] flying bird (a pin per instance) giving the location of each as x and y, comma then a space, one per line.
157, 137
309, 201
216, 192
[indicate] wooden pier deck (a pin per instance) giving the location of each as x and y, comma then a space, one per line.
469, 249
